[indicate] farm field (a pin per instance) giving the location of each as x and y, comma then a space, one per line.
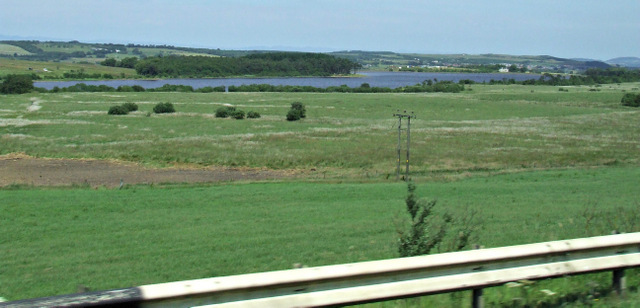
537, 164
6, 49
55, 70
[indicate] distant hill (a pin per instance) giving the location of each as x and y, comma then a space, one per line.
11, 50
625, 61
78, 52
381, 59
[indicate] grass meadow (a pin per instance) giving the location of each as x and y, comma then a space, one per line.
536, 163
56, 239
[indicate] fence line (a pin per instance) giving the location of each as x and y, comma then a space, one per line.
379, 280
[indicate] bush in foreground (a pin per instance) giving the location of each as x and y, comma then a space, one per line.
429, 230
164, 108
253, 115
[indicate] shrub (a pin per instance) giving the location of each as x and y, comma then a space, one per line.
293, 115
130, 106
118, 110
237, 114
296, 112
137, 88
424, 234
16, 84
428, 230
253, 115
224, 112
300, 107
164, 108
631, 100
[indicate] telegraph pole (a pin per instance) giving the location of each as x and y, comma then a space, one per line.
400, 116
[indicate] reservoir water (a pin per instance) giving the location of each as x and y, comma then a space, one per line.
374, 79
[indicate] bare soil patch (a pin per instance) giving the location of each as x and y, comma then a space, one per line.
26, 170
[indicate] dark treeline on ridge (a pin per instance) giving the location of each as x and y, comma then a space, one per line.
263, 64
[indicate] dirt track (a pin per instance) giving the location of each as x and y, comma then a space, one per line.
23, 169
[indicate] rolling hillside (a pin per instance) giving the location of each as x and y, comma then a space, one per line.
75, 51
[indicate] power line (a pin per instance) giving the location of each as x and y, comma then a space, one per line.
400, 116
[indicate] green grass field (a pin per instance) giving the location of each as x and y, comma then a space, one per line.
56, 239
536, 163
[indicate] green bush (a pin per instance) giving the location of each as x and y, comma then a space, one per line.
224, 112
293, 115
16, 84
428, 230
631, 100
238, 115
300, 108
118, 110
164, 108
130, 106
296, 112
252, 115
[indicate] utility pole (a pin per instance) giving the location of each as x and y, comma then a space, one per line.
400, 116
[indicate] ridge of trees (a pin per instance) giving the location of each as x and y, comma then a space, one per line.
263, 64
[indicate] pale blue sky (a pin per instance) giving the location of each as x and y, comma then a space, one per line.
564, 28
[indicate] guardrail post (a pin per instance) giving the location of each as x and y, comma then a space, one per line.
476, 300
476, 295
619, 282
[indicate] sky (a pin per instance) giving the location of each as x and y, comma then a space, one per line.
593, 29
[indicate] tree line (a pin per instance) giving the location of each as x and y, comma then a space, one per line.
424, 87
18, 84
264, 64
592, 76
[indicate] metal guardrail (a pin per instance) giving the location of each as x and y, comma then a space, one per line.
377, 280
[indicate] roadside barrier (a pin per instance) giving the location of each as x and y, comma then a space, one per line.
377, 280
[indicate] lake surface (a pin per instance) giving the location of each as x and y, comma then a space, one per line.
374, 79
